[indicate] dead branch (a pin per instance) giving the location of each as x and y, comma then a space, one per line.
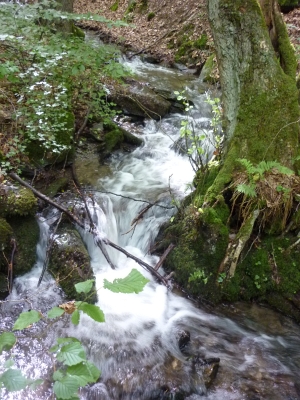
92, 225
141, 214
11, 266
97, 237
164, 256
49, 250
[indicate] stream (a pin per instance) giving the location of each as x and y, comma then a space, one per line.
137, 347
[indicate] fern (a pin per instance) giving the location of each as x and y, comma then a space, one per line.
264, 166
247, 190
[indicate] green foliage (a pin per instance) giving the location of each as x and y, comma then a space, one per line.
150, 16
52, 74
133, 283
198, 141
26, 319
198, 275
75, 371
7, 341
84, 287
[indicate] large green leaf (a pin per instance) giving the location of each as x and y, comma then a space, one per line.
85, 371
132, 283
55, 312
26, 319
7, 341
84, 287
75, 317
71, 354
92, 311
66, 388
13, 380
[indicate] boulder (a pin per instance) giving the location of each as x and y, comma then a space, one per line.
139, 99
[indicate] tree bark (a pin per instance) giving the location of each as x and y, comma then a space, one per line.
257, 73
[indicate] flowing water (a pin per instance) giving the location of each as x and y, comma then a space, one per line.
137, 348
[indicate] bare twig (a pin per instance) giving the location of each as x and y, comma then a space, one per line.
164, 256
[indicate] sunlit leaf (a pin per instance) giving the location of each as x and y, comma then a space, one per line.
85, 371
55, 312
92, 311
26, 319
84, 287
75, 317
132, 283
7, 341
66, 388
71, 354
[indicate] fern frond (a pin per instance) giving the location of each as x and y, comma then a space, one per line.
247, 190
247, 165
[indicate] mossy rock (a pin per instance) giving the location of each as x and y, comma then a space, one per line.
201, 238
26, 232
70, 264
210, 65
18, 202
5, 234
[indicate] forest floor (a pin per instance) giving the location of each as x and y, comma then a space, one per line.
159, 28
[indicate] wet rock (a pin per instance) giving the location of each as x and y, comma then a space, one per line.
183, 339
70, 263
140, 100
207, 369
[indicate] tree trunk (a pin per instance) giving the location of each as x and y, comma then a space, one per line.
257, 74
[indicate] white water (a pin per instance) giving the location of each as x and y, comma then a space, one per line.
137, 347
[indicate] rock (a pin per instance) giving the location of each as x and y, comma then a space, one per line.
70, 263
139, 99
207, 369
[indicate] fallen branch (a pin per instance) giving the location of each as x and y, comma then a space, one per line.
49, 250
164, 256
11, 266
95, 232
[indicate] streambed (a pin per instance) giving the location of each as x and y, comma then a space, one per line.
137, 347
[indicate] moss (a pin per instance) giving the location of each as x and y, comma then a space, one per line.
26, 232
115, 6
207, 69
70, 264
78, 32
150, 16
201, 240
21, 203
113, 137
5, 233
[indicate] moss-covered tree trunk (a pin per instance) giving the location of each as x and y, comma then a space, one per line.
232, 241
257, 73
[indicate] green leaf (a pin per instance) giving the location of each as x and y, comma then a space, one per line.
13, 380
66, 388
35, 383
75, 317
71, 354
57, 375
55, 312
86, 371
92, 311
247, 190
26, 319
7, 341
132, 283
84, 287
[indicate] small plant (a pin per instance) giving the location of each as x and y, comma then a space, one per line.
150, 16
198, 141
199, 275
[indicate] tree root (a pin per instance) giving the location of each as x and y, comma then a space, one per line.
236, 246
